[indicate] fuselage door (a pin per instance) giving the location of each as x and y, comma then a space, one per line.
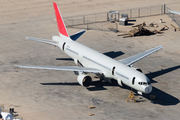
133, 80
63, 46
113, 70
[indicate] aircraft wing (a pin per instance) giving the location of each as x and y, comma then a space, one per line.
135, 58
65, 68
175, 12
51, 42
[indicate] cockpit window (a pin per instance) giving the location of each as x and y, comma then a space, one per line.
144, 83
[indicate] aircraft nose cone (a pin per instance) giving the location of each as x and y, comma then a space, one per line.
148, 89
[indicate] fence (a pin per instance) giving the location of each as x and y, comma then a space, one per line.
85, 19
144, 11
97, 20
103, 26
174, 17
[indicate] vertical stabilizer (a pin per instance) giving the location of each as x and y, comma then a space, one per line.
60, 23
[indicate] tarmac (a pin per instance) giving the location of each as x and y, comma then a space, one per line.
47, 94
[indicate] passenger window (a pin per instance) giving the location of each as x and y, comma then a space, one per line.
133, 80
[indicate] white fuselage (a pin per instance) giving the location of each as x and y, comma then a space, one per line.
111, 68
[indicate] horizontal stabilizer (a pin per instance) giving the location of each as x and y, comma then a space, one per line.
131, 60
43, 41
77, 35
65, 68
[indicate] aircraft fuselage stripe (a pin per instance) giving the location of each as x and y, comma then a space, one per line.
72, 51
96, 63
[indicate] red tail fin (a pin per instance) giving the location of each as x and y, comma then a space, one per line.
60, 22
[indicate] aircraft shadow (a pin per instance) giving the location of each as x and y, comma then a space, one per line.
113, 54
61, 83
68, 59
161, 97
161, 72
95, 86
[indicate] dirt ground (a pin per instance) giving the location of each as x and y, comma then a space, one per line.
45, 94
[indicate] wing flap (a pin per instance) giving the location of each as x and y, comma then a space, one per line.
65, 68
43, 41
135, 58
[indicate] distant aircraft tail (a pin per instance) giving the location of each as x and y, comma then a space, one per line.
62, 28
60, 23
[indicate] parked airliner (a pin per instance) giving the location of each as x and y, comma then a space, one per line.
91, 61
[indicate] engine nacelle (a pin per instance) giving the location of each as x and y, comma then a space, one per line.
84, 80
138, 69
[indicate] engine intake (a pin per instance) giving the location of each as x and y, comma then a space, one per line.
84, 80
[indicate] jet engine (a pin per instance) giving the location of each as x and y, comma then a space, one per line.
84, 80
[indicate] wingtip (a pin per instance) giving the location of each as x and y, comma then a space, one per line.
27, 37
16, 66
161, 46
